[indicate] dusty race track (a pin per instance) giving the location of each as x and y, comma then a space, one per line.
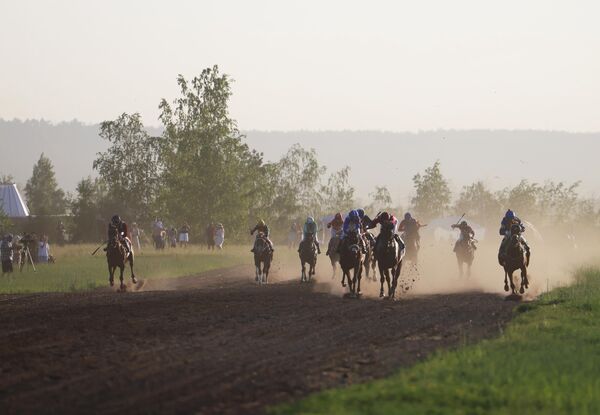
217, 344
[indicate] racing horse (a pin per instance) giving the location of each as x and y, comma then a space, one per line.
263, 255
370, 262
351, 260
117, 256
465, 254
308, 255
516, 257
333, 252
389, 255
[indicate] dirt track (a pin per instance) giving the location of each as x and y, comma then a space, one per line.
216, 344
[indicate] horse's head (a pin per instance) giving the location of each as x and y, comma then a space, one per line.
515, 229
387, 230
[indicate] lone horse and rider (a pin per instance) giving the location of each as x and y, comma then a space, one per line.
119, 250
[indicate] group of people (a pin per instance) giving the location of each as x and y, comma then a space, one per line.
14, 249
356, 221
163, 235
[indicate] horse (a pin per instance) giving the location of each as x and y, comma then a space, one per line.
333, 253
308, 255
263, 255
117, 256
351, 259
389, 256
412, 247
515, 258
370, 262
465, 254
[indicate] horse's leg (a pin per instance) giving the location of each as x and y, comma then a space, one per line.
111, 275
122, 271
359, 278
381, 279
524, 282
396, 270
303, 272
343, 277
505, 280
460, 267
266, 269
133, 279
512, 284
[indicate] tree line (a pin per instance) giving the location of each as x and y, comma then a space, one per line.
199, 171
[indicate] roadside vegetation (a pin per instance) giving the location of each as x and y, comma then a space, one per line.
76, 269
545, 362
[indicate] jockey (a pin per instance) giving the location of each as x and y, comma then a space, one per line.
364, 221
310, 229
508, 220
352, 223
336, 225
466, 234
409, 226
262, 227
385, 217
118, 226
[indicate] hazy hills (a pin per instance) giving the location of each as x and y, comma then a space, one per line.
498, 157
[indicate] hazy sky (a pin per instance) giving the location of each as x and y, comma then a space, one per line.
393, 65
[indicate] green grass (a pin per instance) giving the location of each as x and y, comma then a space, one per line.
546, 362
77, 270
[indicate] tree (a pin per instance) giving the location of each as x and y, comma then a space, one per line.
337, 194
523, 199
381, 199
209, 173
130, 167
478, 203
432, 193
298, 182
7, 179
88, 218
44, 197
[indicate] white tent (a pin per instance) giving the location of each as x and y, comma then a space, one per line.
11, 201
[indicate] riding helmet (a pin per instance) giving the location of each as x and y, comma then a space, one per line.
361, 213
116, 220
407, 216
510, 214
354, 215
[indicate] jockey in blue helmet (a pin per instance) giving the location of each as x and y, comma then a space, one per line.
506, 224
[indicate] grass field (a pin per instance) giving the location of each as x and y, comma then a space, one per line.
76, 269
547, 361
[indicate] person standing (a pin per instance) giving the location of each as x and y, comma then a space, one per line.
6, 254
219, 235
43, 250
184, 235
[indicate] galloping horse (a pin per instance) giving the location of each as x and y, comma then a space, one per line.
465, 254
308, 255
351, 259
412, 247
116, 256
515, 258
333, 252
262, 258
389, 257
370, 261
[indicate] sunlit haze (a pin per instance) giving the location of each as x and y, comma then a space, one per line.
395, 65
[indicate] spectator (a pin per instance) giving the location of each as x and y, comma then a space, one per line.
219, 235
210, 236
172, 233
43, 250
184, 235
6, 254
